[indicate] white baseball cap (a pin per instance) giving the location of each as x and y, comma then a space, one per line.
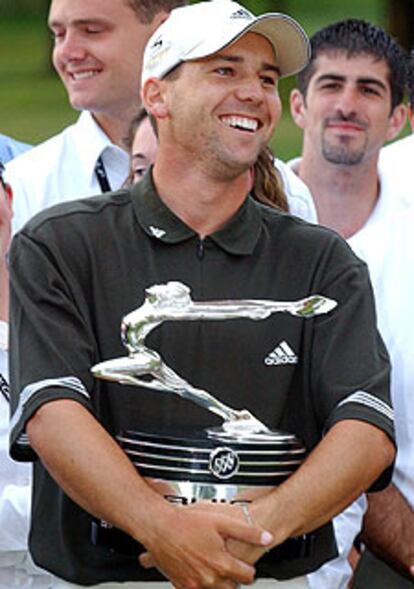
202, 29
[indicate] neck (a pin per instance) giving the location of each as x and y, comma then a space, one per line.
116, 128
203, 201
344, 196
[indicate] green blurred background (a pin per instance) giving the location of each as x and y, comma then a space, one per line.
33, 103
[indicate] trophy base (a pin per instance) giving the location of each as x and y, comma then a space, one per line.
211, 465
213, 458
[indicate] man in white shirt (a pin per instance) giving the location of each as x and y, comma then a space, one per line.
97, 53
396, 158
348, 103
389, 255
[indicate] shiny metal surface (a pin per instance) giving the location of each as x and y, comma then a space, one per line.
172, 302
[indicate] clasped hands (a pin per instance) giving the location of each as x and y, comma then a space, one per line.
206, 546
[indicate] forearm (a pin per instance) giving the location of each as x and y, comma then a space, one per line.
344, 464
88, 464
388, 529
91, 468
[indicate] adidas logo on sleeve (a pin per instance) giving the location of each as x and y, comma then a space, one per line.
282, 354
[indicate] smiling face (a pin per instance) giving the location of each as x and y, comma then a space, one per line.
222, 110
98, 52
346, 114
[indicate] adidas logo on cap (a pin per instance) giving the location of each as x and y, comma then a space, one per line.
282, 354
242, 14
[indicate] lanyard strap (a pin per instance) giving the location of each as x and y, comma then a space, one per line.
4, 388
102, 176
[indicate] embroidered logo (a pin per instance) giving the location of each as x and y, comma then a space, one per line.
282, 354
242, 13
224, 463
156, 232
157, 43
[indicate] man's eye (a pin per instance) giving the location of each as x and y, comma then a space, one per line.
369, 90
269, 81
224, 71
139, 172
56, 35
94, 30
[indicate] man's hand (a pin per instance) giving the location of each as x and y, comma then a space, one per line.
191, 550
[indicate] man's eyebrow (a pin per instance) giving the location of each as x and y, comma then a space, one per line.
340, 78
80, 22
238, 59
330, 77
372, 81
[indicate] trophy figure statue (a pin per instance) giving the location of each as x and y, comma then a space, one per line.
235, 462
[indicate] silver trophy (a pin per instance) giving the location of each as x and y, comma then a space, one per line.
235, 462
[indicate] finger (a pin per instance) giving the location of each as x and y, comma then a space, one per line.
146, 560
226, 584
241, 572
245, 532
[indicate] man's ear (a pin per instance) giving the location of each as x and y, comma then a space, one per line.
154, 98
410, 115
9, 194
397, 121
298, 107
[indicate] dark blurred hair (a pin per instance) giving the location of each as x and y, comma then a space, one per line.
356, 37
147, 9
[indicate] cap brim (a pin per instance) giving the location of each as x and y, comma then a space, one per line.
289, 41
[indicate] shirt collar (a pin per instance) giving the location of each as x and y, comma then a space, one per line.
239, 236
92, 142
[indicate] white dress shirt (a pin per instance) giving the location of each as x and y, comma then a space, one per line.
388, 249
396, 161
63, 168
393, 195
299, 198
395, 199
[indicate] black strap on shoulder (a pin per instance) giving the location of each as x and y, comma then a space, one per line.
4, 388
102, 176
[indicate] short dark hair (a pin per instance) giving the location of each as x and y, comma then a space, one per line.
147, 9
357, 37
410, 79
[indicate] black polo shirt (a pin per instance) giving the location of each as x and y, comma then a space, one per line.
78, 268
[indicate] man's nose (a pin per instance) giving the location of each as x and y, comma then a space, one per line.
70, 48
250, 90
347, 103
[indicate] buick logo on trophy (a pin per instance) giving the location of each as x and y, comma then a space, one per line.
235, 462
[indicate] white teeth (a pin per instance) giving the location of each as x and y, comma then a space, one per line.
84, 75
241, 123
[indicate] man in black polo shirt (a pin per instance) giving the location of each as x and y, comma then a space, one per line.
209, 81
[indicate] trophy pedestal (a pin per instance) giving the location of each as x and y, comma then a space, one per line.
208, 466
